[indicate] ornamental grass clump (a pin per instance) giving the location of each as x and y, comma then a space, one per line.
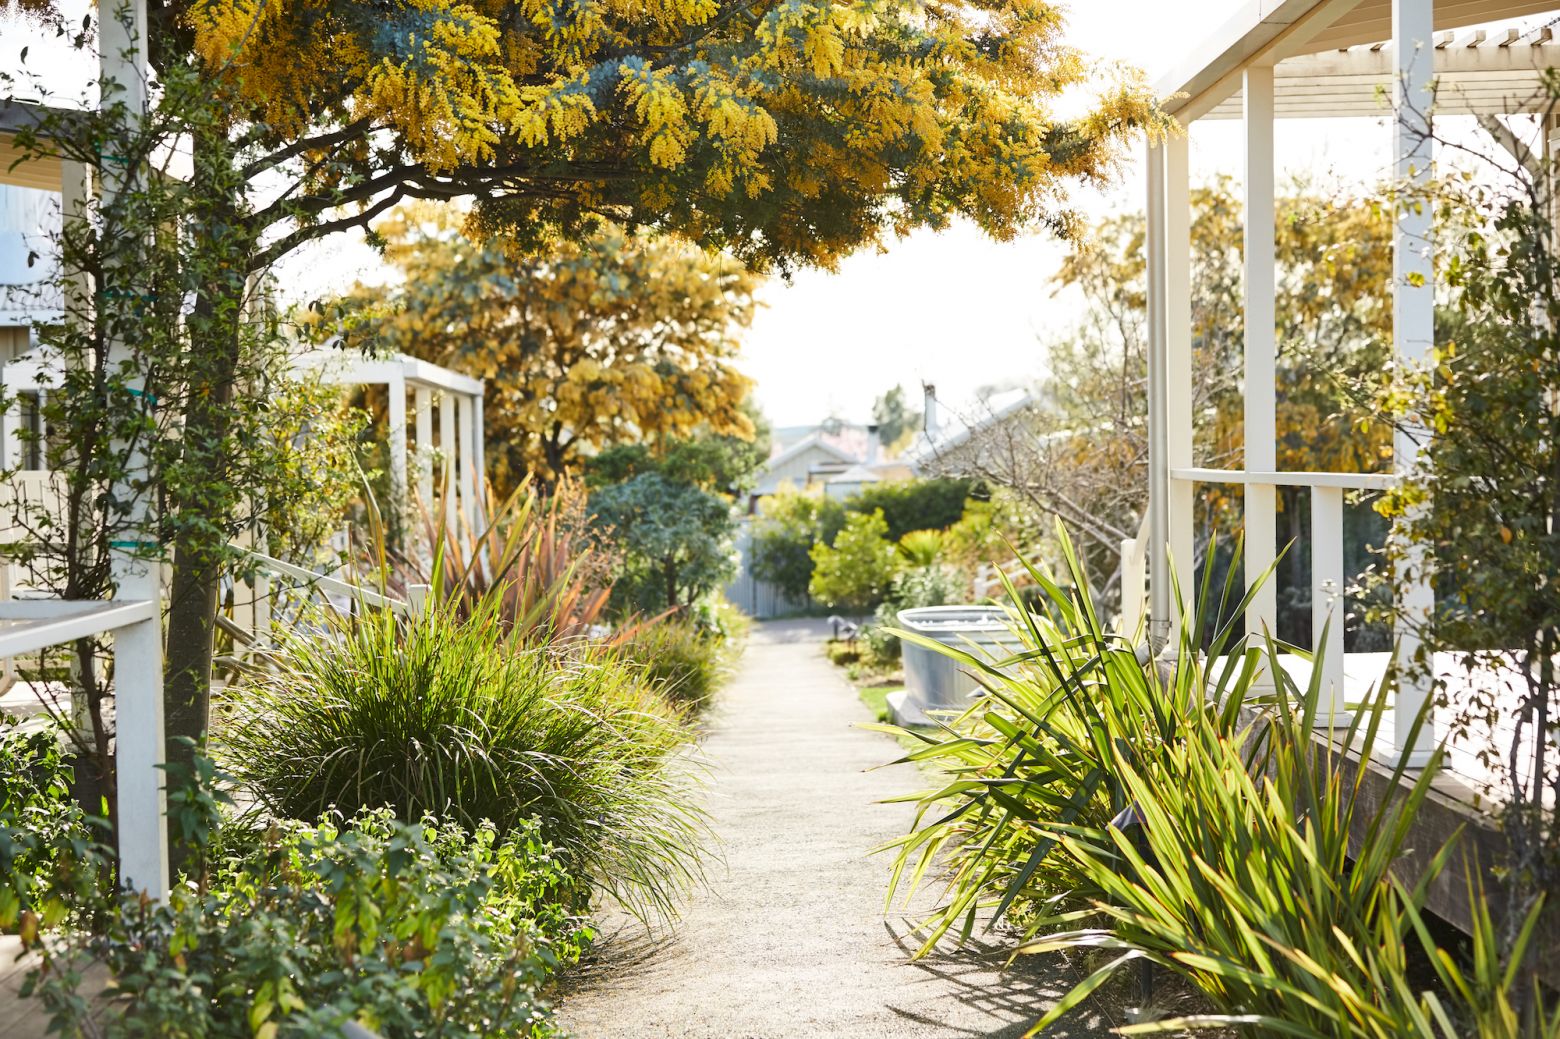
445, 714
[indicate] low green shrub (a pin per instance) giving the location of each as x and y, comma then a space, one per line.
50, 857
445, 715
682, 660
409, 929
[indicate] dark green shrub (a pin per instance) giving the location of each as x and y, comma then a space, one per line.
932, 504
674, 540
682, 660
409, 929
445, 716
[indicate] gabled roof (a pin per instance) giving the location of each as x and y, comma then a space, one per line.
809, 442
999, 409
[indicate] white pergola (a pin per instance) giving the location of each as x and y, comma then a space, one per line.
1309, 59
457, 399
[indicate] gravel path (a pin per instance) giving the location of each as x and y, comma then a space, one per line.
789, 939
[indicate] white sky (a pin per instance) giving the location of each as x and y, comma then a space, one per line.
953, 308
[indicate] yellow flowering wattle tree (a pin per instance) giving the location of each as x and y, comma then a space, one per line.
613, 338
787, 132
790, 131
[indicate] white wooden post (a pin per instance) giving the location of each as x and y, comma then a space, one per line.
1178, 362
1327, 600
448, 450
423, 398
1260, 430
399, 488
1413, 332
1131, 586
142, 819
1160, 612
466, 462
479, 455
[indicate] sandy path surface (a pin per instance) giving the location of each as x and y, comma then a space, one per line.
789, 939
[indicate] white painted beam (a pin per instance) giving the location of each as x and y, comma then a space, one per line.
1261, 350
466, 463
423, 405
1178, 359
1328, 584
141, 820
1413, 334
1159, 610
449, 453
399, 488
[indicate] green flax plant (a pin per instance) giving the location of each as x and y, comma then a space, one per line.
1039, 749
451, 713
1183, 813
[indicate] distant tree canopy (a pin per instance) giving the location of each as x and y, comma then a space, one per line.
618, 338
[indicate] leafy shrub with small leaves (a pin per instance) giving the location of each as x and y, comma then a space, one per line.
409, 929
922, 586
857, 571
50, 858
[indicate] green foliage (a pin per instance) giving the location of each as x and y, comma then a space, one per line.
682, 660
675, 540
783, 536
726, 465
419, 928
930, 585
856, 572
1478, 514
446, 715
1195, 821
907, 505
50, 858
921, 548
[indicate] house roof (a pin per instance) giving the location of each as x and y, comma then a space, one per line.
812, 441
999, 408
1268, 31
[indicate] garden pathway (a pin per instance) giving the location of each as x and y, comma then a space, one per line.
789, 938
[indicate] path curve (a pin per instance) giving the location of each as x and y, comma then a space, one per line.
789, 938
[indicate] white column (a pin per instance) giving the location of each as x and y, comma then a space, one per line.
1413, 329
423, 401
465, 465
1327, 602
447, 448
395, 386
1161, 616
1261, 437
139, 734
1178, 360
479, 455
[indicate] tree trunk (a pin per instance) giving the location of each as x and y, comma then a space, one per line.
202, 500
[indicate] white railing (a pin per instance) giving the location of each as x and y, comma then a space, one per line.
1329, 582
33, 625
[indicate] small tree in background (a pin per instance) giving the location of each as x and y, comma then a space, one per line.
792, 523
857, 571
675, 541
